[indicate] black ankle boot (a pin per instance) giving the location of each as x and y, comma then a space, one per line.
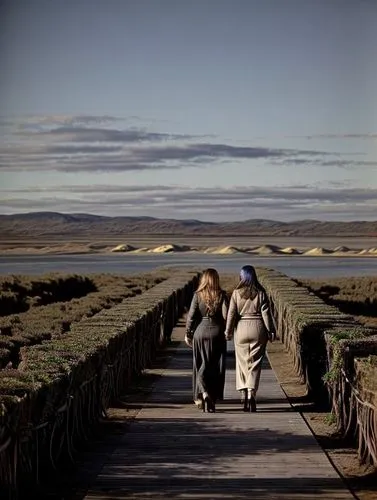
249, 404
245, 400
252, 404
245, 404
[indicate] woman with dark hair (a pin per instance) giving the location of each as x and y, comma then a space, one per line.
249, 319
208, 310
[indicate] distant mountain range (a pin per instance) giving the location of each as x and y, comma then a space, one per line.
45, 224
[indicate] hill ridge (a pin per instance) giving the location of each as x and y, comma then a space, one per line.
79, 224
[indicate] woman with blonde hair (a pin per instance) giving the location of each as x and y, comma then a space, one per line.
250, 320
208, 311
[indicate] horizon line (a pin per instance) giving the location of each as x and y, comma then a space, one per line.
293, 221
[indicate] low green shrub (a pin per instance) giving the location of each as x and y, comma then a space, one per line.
63, 386
43, 322
324, 343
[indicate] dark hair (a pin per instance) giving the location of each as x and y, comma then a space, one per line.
249, 282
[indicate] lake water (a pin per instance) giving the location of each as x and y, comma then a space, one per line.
295, 266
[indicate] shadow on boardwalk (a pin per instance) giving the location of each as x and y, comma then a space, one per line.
173, 450
181, 458
157, 444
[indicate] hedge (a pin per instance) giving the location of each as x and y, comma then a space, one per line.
63, 387
329, 349
42, 322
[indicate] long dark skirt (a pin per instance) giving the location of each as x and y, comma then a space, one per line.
209, 354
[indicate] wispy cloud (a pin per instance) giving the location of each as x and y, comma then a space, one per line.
215, 203
73, 144
345, 163
56, 120
100, 144
242, 193
81, 134
370, 135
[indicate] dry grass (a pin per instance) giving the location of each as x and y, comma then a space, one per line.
229, 282
356, 296
19, 293
47, 306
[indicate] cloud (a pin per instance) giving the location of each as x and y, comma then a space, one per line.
68, 149
178, 194
215, 203
89, 119
344, 136
349, 164
86, 143
94, 134
107, 158
334, 162
55, 120
113, 155
99, 144
209, 150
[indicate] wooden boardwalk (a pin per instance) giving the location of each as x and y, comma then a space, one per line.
173, 450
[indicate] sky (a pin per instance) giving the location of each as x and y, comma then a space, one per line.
216, 110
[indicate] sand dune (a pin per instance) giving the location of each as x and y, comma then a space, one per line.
123, 248
227, 250
168, 248
290, 251
341, 249
317, 251
368, 251
207, 250
140, 250
263, 250
267, 250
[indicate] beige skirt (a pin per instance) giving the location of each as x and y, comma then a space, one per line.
250, 340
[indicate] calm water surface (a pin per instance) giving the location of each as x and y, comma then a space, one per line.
295, 266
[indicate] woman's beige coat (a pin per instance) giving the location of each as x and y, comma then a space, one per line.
250, 321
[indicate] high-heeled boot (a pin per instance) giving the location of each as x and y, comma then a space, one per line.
244, 400
252, 406
208, 404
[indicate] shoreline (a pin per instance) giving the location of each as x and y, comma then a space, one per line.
150, 245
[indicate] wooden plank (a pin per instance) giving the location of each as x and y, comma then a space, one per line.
173, 450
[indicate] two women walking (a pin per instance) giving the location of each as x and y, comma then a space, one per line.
211, 321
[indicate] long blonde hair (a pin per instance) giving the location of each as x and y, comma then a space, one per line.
209, 290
